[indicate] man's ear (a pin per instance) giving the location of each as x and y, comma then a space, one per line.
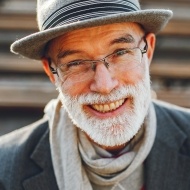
151, 42
46, 68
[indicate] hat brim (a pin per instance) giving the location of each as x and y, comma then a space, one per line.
32, 46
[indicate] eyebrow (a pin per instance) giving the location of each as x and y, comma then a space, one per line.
64, 53
123, 39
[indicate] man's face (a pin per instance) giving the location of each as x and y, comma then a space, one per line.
108, 103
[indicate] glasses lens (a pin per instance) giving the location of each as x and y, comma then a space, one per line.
80, 70
125, 59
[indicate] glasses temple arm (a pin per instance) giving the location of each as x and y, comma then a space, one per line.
51, 68
145, 47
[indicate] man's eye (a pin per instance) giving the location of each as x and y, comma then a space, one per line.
121, 52
74, 63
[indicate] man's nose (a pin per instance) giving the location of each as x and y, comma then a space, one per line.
103, 82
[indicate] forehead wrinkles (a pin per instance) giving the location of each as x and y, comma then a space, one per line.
107, 31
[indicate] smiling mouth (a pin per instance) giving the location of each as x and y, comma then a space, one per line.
104, 108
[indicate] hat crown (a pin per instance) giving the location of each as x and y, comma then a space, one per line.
53, 13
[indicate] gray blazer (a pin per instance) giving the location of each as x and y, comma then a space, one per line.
25, 160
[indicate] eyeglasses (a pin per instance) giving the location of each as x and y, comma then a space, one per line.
121, 59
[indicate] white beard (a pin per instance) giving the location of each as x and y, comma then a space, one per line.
110, 131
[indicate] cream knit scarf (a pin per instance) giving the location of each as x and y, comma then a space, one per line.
79, 165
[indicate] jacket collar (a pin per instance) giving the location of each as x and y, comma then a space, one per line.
167, 165
45, 180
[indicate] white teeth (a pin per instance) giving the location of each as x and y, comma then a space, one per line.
112, 106
108, 107
100, 107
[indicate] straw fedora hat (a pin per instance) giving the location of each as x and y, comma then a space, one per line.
56, 17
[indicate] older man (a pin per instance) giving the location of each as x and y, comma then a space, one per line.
103, 132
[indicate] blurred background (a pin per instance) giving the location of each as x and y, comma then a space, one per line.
25, 89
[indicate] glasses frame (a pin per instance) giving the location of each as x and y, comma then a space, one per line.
93, 62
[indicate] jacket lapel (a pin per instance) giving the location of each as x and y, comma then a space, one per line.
45, 180
167, 166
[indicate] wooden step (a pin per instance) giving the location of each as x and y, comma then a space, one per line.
177, 97
15, 63
24, 91
170, 69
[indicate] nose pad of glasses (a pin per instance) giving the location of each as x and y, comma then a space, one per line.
94, 65
106, 64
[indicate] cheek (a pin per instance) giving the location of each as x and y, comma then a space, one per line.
75, 88
133, 76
